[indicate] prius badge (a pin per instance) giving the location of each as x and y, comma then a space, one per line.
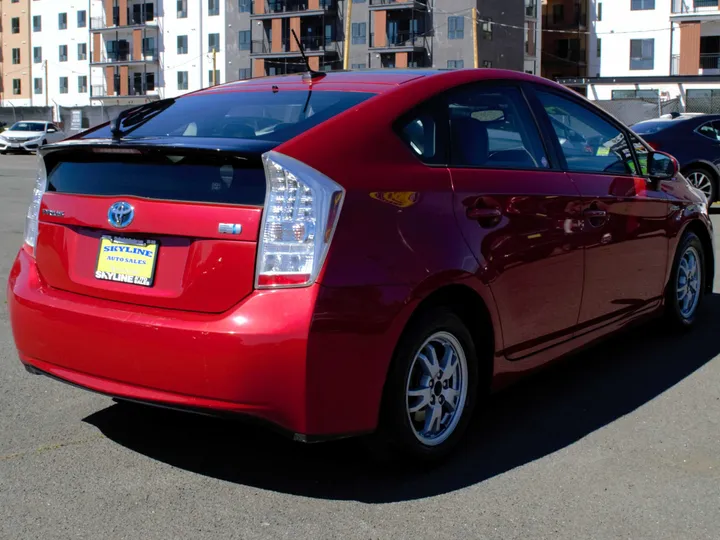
121, 214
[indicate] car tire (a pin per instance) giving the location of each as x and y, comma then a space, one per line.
417, 386
704, 180
686, 288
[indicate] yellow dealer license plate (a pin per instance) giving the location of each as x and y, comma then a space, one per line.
127, 260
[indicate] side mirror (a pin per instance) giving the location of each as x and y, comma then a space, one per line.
662, 166
52, 130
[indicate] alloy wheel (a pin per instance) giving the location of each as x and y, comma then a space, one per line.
701, 181
689, 282
436, 389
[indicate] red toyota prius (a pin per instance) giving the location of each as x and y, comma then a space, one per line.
350, 253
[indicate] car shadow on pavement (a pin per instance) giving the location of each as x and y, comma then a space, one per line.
537, 417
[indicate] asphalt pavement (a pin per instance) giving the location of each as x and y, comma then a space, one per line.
623, 441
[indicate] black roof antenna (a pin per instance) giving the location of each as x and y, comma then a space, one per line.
310, 74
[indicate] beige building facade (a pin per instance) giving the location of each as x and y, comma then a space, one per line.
15, 54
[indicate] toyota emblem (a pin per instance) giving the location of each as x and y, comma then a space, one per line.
121, 215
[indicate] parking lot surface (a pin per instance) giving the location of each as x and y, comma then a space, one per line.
623, 441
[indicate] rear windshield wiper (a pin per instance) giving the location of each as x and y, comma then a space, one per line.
131, 119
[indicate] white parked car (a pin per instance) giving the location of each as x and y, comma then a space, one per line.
29, 136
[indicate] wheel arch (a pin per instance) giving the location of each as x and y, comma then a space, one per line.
700, 230
707, 167
474, 312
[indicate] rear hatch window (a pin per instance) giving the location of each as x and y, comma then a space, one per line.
273, 115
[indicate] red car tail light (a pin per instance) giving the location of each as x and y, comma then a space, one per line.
33, 214
654, 145
302, 207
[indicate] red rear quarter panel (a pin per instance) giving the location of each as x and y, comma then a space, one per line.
397, 241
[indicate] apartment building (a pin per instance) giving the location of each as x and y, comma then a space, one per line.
72, 53
382, 34
60, 45
193, 40
15, 67
533, 37
565, 41
651, 49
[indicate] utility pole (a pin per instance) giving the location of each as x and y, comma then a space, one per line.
348, 32
47, 85
214, 74
474, 36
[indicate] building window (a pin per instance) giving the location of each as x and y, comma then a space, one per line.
17, 89
634, 94
599, 16
63, 53
182, 80
182, 9
82, 84
213, 7
213, 42
456, 27
148, 47
38, 86
15, 25
358, 66
487, 28
82, 18
214, 80
150, 82
62, 21
487, 64
455, 64
63, 85
599, 47
16, 56
359, 33
558, 13
244, 38
642, 54
642, 5
182, 44
37, 55
244, 6
82, 51
37, 23
244, 73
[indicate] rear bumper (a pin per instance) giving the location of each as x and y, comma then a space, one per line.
251, 360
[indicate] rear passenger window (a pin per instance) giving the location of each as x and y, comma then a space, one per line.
492, 127
710, 130
588, 141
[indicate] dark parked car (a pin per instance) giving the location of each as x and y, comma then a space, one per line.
390, 248
694, 140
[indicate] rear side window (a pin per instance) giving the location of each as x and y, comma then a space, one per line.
711, 130
263, 115
493, 127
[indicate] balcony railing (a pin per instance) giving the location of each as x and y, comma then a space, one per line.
148, 55
710, 61
133, 90
310, 44
291, 6
693, 6
414, 4
133, 19
400, 39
